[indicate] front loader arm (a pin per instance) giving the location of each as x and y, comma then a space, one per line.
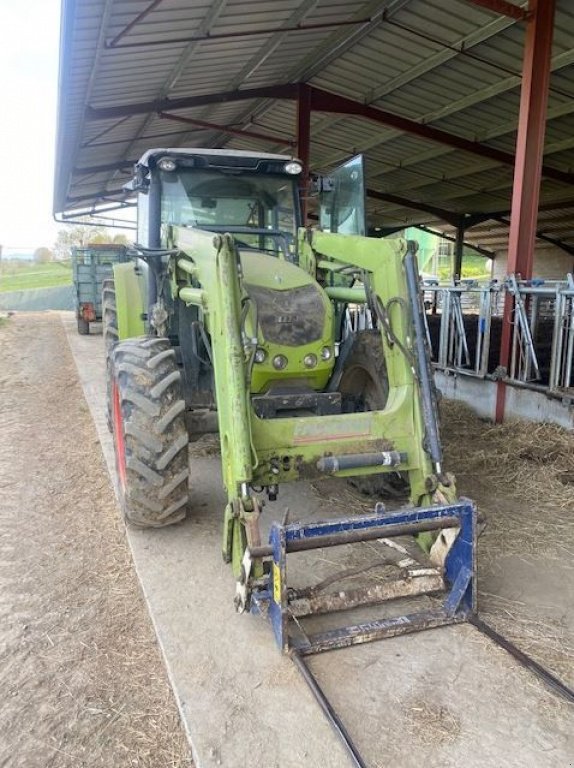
387, 268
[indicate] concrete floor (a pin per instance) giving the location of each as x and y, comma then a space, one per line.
447, 697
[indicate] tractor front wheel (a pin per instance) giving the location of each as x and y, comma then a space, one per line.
150, 436
365, 387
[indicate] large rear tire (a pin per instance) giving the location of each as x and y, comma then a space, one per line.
83, 327
365, 387
150, 436
111, 337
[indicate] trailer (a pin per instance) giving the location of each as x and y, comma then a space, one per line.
92, 264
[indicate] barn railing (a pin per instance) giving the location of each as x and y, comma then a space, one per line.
464, 328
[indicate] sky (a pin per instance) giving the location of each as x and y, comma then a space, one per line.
29, 42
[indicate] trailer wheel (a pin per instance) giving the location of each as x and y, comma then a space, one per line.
111, 337
150, 437
83, 327
365, 387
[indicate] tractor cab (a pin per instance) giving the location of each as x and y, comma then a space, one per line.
186, 196
254, 197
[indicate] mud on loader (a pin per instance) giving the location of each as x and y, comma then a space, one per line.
306, 350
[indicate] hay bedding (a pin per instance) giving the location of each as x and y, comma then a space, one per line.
521, 475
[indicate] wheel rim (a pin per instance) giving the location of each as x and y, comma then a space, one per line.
118, 420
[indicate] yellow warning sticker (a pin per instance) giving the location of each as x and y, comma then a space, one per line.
276, 583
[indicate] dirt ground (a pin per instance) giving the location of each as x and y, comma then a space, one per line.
81, 676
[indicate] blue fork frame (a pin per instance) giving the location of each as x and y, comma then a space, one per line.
459, 574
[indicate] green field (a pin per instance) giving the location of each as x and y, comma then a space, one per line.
473, 266
18, 275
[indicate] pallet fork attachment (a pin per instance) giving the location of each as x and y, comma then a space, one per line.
272, 597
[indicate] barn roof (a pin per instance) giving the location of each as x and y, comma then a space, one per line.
442, 76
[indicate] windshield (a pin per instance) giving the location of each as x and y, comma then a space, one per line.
258, 209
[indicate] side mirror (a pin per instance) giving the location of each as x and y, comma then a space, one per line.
140, 180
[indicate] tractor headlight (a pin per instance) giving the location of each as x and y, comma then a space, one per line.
293, 168
260, 355
326, 353
310, 361
166, 164
280, 362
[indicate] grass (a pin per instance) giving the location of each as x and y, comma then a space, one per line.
18, 275
473, 266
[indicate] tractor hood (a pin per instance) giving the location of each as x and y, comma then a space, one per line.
292, 309
271, 272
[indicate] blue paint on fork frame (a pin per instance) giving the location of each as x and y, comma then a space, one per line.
459, 576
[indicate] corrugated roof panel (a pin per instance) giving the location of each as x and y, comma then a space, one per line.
408, 64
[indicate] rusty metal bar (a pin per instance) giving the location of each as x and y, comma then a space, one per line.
528, 168
503, 8
544, 674
112, 43
333, 718
226, 129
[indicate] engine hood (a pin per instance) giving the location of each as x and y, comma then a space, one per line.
270, 272
292, 309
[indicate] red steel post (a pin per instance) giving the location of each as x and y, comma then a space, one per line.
528, 163
304, 143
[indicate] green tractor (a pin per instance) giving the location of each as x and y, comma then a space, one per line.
304, 348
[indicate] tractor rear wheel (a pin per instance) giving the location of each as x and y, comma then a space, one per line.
365, 387
109, 314
150, 436
111, 337
83, 327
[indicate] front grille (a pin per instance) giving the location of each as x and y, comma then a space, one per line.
292, 318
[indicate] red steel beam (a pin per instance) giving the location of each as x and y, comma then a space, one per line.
304, 143
441, 213
289, 91
226, 129
503, 8
323, 101
528, 168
